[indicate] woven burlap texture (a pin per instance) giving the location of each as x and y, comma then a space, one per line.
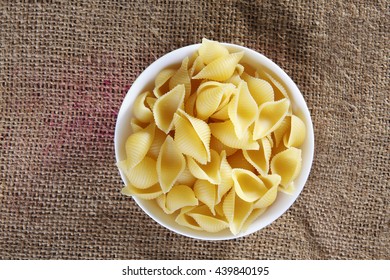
65, 67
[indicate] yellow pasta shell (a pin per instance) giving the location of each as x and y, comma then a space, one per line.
225, 133
226, 177
260, 89
136, 125
138, 144
287, 164
161, 83
180, 196
242, 110
283, 127
185, 220
144, 174
247, 185
238, 160
166, 106
218, 146
170, 164
208, 171
147, 194
271, 114
206, 220
192, 137
260, 158
140, 110
181, 77
211, 50
206, 193
221, 68
158, 140
297, 133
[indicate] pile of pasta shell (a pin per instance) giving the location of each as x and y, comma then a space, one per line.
213, 142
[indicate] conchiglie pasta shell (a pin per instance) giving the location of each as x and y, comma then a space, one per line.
260, 158
185, 220
236, 211
170, 164
261, 90
180, 196
271, 114
225, 133
221, 68
242, 110
196, 66
150, 101
206, 193
252, 217
192, 137
158, 140
238, 160
297, 133
208, 171
235, 79
189, 104
210, 95
267, 199
166, 106
283, 127
222, 113
181, 77
279, 91
287, 164
140, 110
147, 194
247, 185
161, 83
206, 220
211, 50
226, 178
218, 146
144, 174
136, 125
138, 144
186, 178
161, 201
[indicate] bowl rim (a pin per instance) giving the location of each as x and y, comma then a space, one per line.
175, 57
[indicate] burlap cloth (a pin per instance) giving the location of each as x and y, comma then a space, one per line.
65, 69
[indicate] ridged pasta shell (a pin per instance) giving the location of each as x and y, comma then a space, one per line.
147, 194
166, 106
271, 114
242, 110
182, 77
180, 196
208, 171
247, 185
222, 113
140, 110
170, 164
226, 177
287, 164
268, 198
185, 220
236, 211
279, 91
221, 68
295, 136
136, 125
206, 220
218, 146
235, 79
252, 217
196, 66
138, 144
225, 133
162, 202
192, 137
211, 50
158, 140
206, 193
144, 174
189, 104
161, 83
260, 89
150, 101
210, 95
238, 160
260, 158
283, 127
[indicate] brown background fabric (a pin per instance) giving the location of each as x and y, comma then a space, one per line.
65, 67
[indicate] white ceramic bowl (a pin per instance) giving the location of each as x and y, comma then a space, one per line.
146, 81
